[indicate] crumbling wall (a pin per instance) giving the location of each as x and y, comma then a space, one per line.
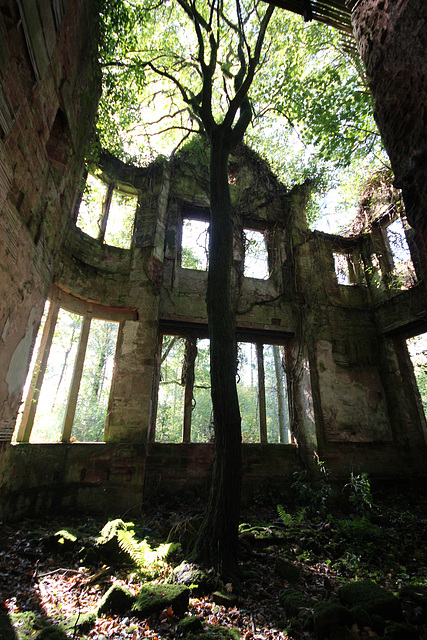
48, 96
392, 41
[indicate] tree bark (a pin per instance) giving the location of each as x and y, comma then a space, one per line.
216, 544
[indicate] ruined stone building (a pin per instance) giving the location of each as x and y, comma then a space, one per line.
352, 395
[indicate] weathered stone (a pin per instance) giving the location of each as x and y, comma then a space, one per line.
225, 598
156, 598
329, 616
193, 576
285, 569
117, 600
373, 598
191, 624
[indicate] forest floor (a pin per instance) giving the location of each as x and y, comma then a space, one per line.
293, 566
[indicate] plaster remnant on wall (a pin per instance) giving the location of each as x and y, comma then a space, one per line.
5, 329
16, 373
352, 401
130, 331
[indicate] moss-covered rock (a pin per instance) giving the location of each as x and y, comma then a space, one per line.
215, 633
193, 576
225, 599
285, 569
81, 623
116, 600
371, 597
107, 544
52, 632
330, 616
155, 598
292, 601
27, 624
190, 624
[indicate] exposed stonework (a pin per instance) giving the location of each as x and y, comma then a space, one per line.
353, 400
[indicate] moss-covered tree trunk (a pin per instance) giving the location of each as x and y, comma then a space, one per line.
217, 541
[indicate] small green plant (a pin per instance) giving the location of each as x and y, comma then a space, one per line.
360, 496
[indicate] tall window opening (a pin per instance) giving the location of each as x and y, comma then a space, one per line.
403, 274
262, 392
184, 407
68, 386
256, 256
106, 214
195, 244
342, 270
417, 347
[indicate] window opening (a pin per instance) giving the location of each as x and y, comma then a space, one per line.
247, 391
170, 406
277, 410
94, 390
195, 244
106, 214
90, 211
417, 347
69, 385
262, 393
184, 407
403, 275
256, 255
202, 428
121, 216
56, 382
342, 270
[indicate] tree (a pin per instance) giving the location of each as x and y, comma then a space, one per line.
203, 81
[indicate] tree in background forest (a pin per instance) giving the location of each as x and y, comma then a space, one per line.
199, 82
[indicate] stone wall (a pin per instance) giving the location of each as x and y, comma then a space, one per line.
48, 95
392, 41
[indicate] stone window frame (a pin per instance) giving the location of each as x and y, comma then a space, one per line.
111, 187
191, 333
89, 311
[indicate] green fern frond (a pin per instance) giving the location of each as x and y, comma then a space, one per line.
138, 551
284, 516
141, 552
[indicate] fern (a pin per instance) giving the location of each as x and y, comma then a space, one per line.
285, 517
141, 552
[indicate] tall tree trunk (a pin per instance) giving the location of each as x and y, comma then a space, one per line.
217, 541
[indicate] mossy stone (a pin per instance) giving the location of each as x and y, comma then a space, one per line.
292, 600
215, 633
190, 624
371, 597
330, 615
285, 569
116, 600
82, 623
193, 576
155, 598
52, 632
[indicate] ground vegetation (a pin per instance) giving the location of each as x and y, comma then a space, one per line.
329, 562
